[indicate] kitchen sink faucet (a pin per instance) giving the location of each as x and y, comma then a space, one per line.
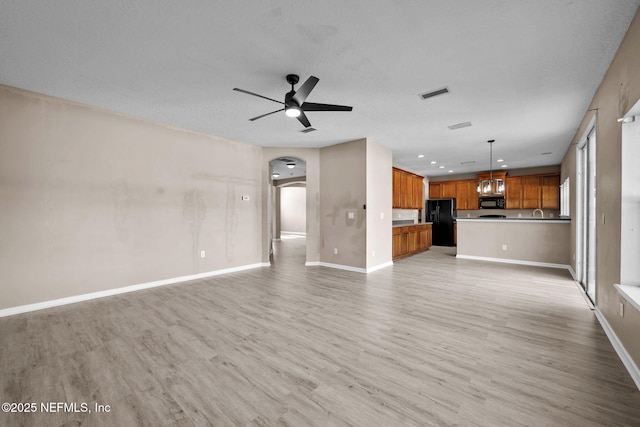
536, 210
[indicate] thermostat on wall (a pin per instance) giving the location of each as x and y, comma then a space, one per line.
245, 198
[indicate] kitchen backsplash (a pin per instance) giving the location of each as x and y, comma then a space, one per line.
405, 214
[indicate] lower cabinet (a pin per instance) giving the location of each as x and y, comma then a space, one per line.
411, 239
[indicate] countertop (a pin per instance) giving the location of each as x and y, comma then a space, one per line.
521, 220
411, 225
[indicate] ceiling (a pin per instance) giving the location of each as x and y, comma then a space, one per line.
522, 72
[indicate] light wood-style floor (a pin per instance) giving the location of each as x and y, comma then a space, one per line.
431, 341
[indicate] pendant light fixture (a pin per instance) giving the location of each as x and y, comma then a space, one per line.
491, 186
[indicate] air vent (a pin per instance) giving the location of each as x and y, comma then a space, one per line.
431, 94
459, 125
307, 130
468, 162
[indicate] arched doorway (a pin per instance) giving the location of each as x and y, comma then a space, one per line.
288, 203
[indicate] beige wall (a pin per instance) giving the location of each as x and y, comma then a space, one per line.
531, 241
293, 209
92, 200
343, 190
379, 201
618, 92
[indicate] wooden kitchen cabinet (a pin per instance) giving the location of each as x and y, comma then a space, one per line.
435, 190
533, 192
550, 192
418, 192
411, 239
442, 190
465, 192
530, 192
397, 190
408, 190
513, 192
449, 190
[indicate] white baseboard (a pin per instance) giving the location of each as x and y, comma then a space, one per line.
342, 267
312, 263
348, 267
516, 261
109, 292
573, 273
624, 356
379, 267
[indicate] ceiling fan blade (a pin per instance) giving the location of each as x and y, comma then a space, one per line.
305, 89
264, 115
255, 94
302, 118
312, 106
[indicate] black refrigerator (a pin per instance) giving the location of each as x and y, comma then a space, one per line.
442, 212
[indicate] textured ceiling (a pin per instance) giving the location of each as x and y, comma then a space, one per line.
522, 72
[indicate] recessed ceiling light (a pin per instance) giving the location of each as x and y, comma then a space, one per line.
420, 156
275, 174
500, 160
433, 162
505, 166
441, 167
450, 170
291, 165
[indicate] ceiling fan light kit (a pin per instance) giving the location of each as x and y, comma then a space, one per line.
292, 111
294, 101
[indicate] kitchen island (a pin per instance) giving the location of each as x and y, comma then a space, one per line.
530, 241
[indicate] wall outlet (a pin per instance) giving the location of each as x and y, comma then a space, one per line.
335, 251
519, 215
381, 215
504, 247
202, 254
373, 253
551, 215
350, 215
621, 309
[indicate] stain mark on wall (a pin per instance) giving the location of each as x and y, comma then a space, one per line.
194, 211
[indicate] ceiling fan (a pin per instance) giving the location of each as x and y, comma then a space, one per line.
294, 101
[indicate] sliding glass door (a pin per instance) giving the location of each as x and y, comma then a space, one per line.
586, 210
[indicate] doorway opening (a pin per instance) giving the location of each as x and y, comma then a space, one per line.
288, 200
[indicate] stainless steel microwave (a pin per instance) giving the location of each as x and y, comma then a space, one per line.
491, 203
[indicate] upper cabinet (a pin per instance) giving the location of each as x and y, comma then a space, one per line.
465, 192
533, 192
520, 192
408, 190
